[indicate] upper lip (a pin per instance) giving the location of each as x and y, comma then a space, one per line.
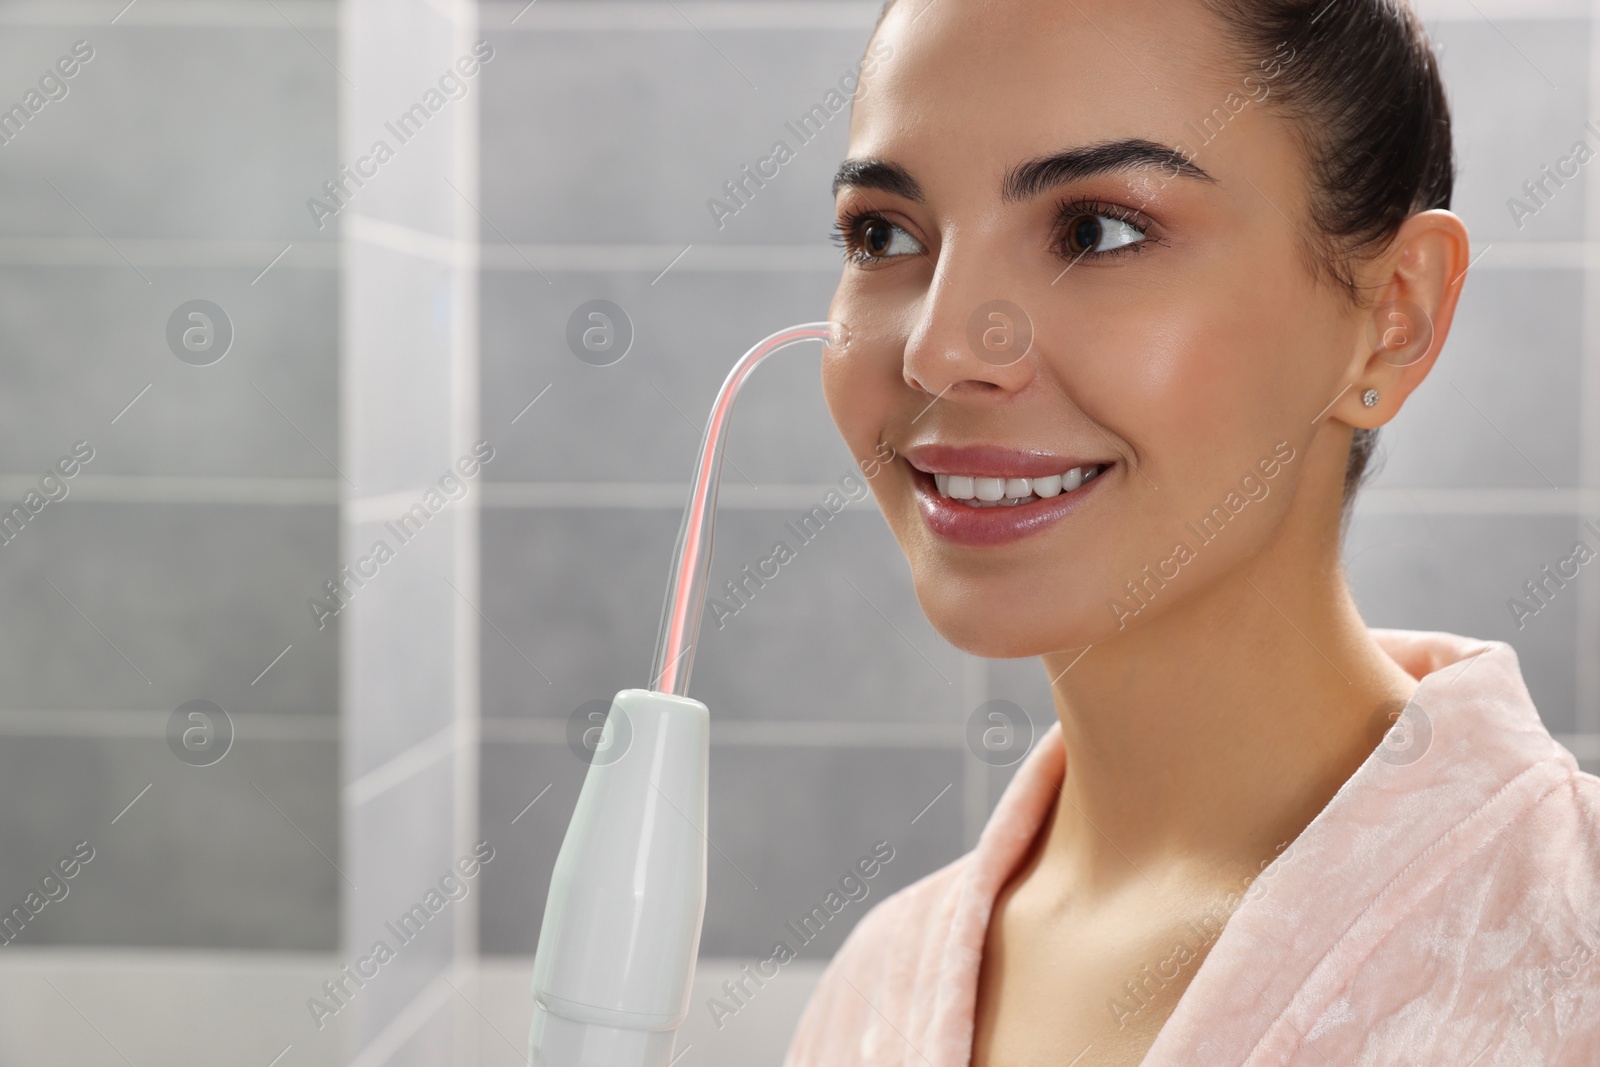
994, 461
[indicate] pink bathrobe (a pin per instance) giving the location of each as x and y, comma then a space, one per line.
1443, 909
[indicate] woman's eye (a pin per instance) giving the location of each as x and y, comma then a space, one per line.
1085, 234
881, 239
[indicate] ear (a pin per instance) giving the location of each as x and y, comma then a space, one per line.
1419, 279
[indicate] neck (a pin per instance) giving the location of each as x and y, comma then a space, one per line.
1204, 740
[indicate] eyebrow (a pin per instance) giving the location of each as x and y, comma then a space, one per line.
1029, 179
877, 174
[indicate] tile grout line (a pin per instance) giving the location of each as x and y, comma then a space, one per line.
465, 429
138, 723
166, 14
149, 724
592, 15
782, 734
637, 16
1586, 684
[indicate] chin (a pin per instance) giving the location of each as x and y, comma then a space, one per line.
1007, 626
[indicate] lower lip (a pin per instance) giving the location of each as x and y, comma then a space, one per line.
963, 524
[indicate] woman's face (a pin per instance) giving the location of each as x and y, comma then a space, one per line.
1037, 282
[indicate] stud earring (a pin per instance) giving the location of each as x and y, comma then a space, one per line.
1370, 398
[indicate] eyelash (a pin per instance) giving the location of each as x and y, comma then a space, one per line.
1068, 210
846, 232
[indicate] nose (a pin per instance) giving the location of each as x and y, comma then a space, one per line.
971, 339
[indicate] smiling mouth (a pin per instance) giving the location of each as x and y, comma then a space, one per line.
978, 491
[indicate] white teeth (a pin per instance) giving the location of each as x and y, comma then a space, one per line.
980, 491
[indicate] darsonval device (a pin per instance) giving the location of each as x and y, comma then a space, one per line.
613, 971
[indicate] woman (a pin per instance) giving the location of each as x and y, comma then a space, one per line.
1131, 285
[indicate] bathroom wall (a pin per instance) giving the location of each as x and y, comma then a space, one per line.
177, 564
231, 480
171, 166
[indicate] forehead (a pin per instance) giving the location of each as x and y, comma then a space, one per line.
1002, 81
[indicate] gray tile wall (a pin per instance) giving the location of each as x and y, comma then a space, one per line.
178, 565
1487, 476
408, 393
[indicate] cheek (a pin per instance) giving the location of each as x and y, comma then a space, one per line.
1191, 380
866, 394
863, 381
854, 398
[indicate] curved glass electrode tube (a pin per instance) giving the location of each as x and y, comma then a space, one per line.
691, 566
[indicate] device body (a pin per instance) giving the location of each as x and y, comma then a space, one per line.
614, 969
622, 922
